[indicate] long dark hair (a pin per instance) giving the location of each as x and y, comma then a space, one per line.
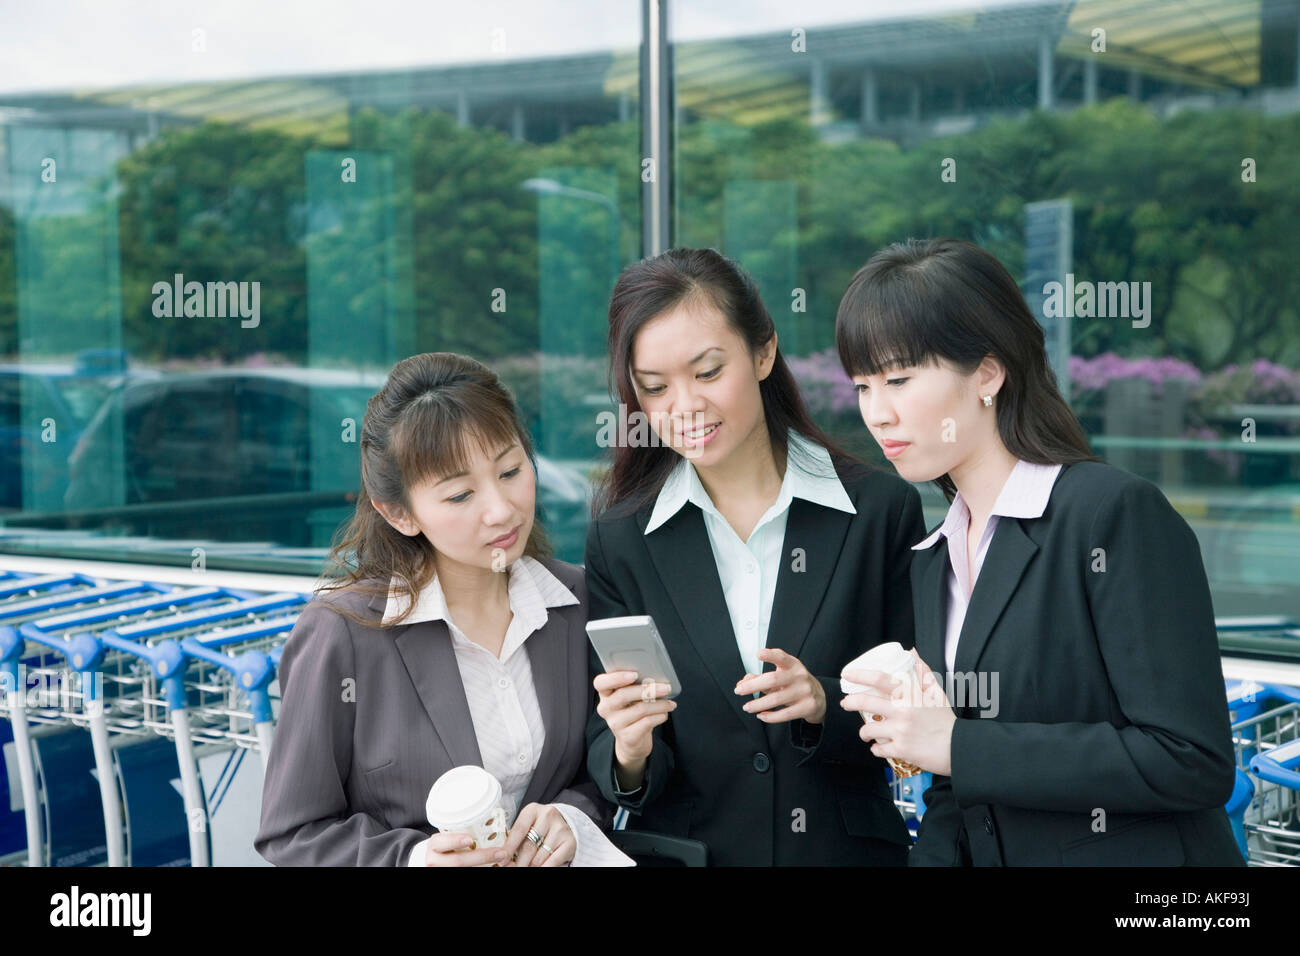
433, 411
654, 286
927, 299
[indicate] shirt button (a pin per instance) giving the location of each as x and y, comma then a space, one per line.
523, 758
762, 762
749, 625
503, 682
750, 568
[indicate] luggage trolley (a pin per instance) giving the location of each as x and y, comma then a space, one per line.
1267, 742
908, 793
180, 657
23, 599
234, 661
19, 589
1245, 700
116, 674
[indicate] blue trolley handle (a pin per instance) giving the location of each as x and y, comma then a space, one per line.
1283, 692
167, 662
252, 671
84, 652
1275, 766
11, 652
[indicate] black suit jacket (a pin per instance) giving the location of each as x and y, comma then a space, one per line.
761, 795
1110, 703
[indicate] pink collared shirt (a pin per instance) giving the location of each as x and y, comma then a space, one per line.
1024, 495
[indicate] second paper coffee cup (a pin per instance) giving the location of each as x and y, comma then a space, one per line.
893, 659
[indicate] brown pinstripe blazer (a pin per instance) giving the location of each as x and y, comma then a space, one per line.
348, 773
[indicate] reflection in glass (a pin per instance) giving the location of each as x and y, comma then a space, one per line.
1136, 155
368, 215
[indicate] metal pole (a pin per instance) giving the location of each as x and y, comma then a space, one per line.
656, 111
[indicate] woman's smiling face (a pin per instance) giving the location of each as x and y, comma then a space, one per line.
697, 382
928, 419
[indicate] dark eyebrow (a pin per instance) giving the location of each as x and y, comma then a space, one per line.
462, 474
886, 365
712, 348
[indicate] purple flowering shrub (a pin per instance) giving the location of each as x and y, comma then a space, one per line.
1209, 414
825, 387
1088, 376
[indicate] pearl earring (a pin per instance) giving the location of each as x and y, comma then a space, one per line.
988, 401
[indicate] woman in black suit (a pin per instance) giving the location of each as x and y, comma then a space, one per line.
1082, 718
766, 557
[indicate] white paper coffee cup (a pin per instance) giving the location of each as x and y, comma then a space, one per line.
896, 661
467, 800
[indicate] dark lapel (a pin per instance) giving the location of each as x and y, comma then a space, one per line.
548, 654
1009, 554
818, 533
681, 553
932, 603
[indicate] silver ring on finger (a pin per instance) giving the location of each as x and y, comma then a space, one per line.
547, 847
534, 837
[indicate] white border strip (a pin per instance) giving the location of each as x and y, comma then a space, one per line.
168, 574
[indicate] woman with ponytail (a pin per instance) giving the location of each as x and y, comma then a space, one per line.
1072, 707
451, 638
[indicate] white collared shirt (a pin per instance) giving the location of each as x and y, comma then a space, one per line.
748, 569
499, 690
1024, 495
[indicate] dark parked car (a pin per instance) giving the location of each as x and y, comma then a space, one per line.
40, 402
212, 436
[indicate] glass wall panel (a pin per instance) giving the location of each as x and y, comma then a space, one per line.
1131, 162
221, 225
